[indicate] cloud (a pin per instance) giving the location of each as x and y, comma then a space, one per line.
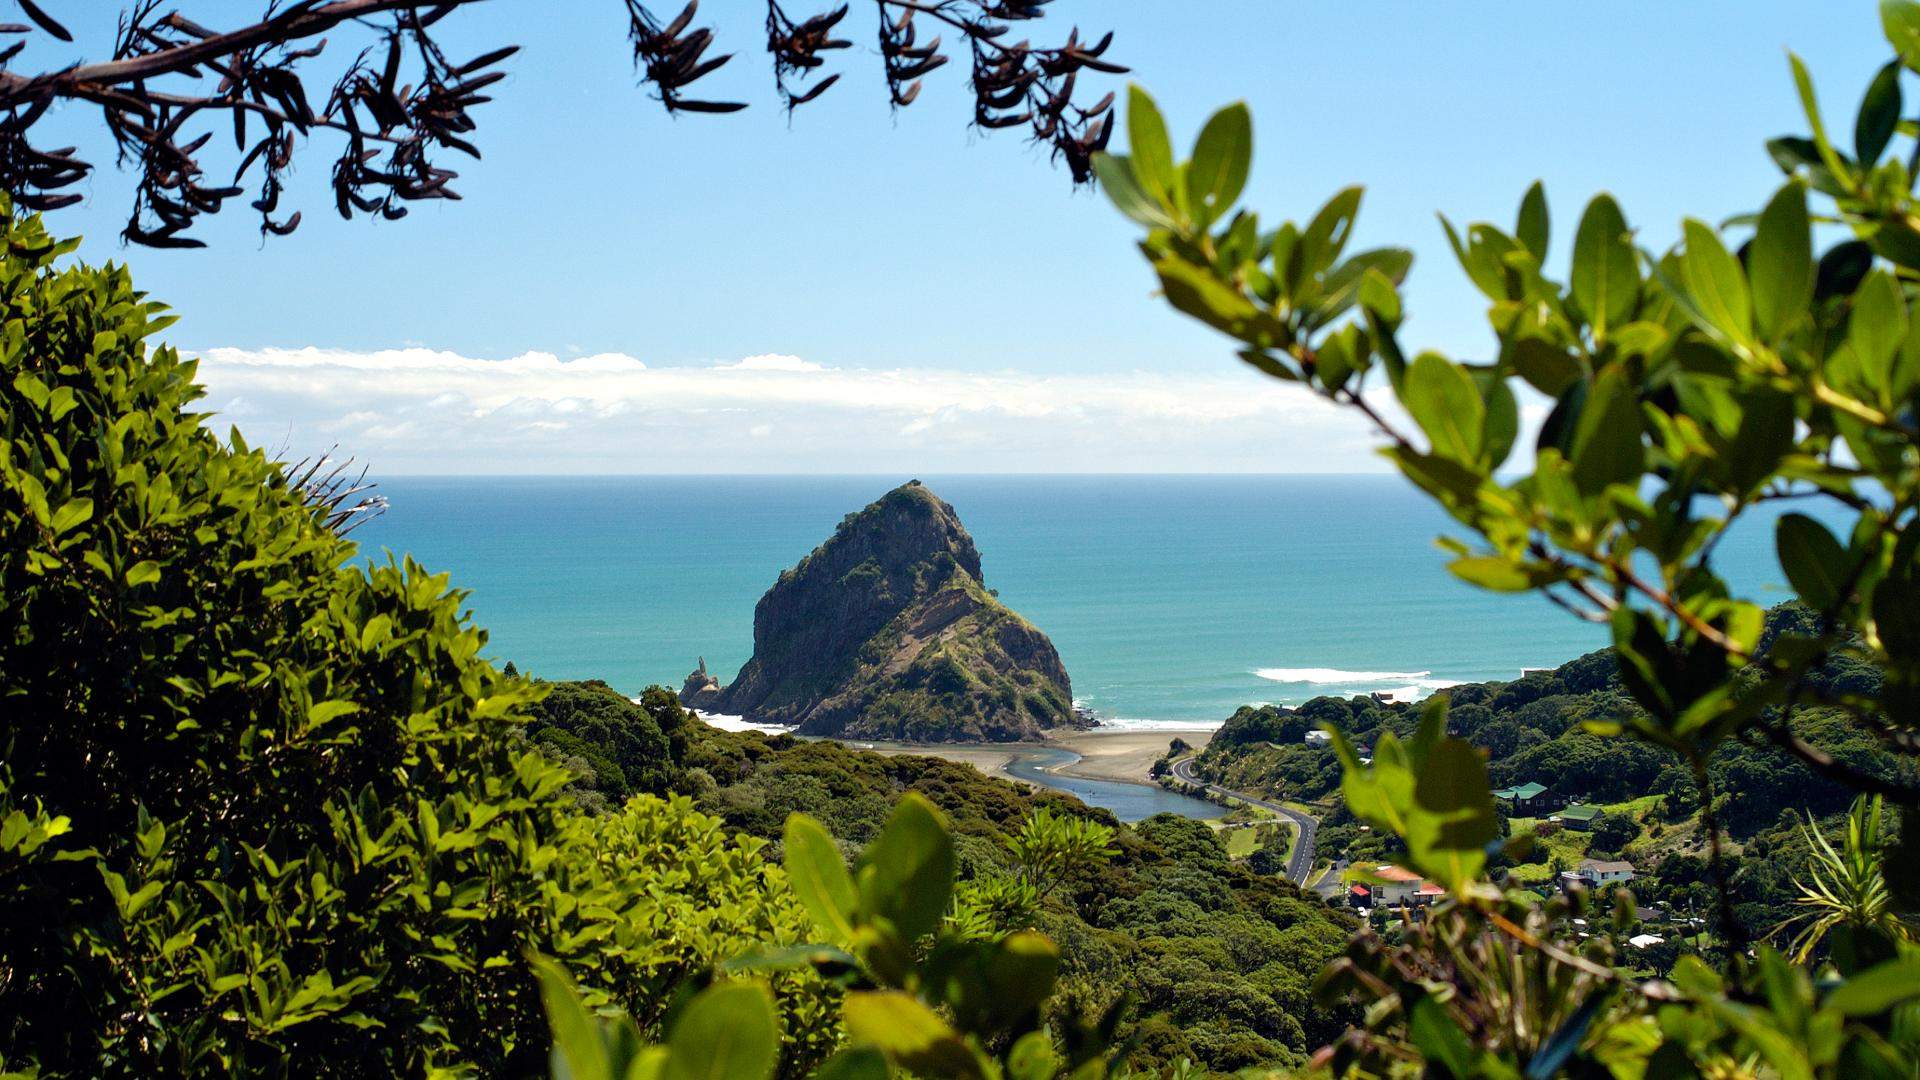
425, 410
770, 362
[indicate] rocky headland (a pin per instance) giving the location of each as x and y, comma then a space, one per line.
886, 631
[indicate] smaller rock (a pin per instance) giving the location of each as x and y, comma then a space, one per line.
701, 690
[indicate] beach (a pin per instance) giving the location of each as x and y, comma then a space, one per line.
1120, 755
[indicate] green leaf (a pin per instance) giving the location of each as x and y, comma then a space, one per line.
1606, 445
1327, 234
1763, 438
143, 572
1803, 83
1439, 1038
856, 1063
1781, 262
909, 1033
1152, 151
1021, 973
1814, 561
1502, 424
1877, 328
1879, 115
72, 513
326, 712
1900, 20
1196, 291
1532, 229
729, 1031
1877, 989
578, 1051
1444, 402
1715, 285
1221, 158
1547, 367
1606, 277
906, 874
1449, 832
1115, 173
820, 877
1493, 573
1342, 285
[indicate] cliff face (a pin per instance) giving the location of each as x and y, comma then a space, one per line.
886, 632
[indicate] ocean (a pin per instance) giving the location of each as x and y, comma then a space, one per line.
1172, 599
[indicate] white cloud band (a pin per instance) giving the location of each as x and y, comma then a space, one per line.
423, 410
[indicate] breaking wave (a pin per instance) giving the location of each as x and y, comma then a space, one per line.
1335, 675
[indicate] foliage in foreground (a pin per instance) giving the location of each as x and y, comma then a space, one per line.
1689, 386
932, 988
265, 812
1218, 960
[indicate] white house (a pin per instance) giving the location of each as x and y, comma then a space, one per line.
1317, 737
1598, 872
1396, 886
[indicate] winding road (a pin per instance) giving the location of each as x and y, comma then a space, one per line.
1300, 864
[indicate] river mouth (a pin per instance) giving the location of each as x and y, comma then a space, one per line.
1129, 802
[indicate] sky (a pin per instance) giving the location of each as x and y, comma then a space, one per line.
861, 290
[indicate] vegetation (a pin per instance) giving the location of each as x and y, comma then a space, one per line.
1690, 386
1540, 729
614, 747
401, 104
263, 811
1218, 960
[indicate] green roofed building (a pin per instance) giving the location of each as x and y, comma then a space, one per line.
1529, 799
1578, 816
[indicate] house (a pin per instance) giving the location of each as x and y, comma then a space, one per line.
1578, 816
1598, 872
1398, 887
1642, 941
1317, 737
1529, 799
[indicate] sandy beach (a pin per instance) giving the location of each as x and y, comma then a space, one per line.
1124, 755
1105, 754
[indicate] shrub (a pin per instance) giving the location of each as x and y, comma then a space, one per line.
274, 812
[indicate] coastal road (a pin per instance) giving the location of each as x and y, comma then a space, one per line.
1301, 863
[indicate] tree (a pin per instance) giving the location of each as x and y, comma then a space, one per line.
1612, 832
401, 104
1691, 386
264, 809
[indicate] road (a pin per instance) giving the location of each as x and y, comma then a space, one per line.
1301, 863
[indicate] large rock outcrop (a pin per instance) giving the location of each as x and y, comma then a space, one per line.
886, 632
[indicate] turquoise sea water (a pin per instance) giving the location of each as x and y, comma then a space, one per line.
1172, 599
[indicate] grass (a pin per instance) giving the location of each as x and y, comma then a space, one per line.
1243, 840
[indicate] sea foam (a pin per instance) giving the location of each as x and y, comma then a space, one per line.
1336, 675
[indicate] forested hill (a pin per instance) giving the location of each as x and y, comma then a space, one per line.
1219, 960
1547, 728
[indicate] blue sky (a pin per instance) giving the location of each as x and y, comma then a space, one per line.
942, 300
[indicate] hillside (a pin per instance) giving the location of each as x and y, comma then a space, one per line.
1219, 960
1547, 729
887, 631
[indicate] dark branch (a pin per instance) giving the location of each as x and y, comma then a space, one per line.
402, 104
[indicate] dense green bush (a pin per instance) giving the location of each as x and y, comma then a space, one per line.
265, 811
614, 746
1690, 387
